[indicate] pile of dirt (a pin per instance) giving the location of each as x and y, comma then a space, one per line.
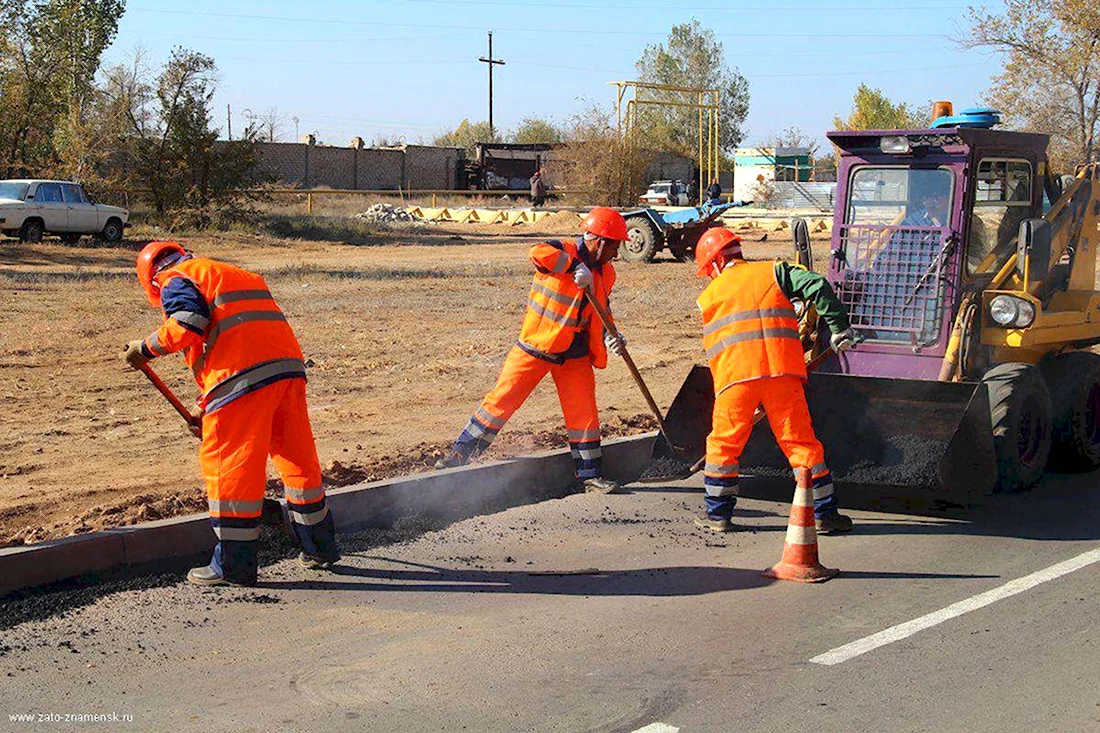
563, 220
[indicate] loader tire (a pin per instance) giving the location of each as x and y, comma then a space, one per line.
1020, 415
1074, 383
643, 240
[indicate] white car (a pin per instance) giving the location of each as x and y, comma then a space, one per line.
30, 209
658, 194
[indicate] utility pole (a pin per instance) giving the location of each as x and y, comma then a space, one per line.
229, 120
492, 62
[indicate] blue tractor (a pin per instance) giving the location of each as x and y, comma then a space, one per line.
651, 231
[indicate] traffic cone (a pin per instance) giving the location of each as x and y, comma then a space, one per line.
799, 560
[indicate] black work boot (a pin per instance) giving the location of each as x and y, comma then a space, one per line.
714, 524
317, 562
834, 523
208, 576
453, 459
600, 485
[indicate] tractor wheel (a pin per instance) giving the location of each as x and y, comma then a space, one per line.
643, 240
1020, 414
677, 244
32, 231
1074, 383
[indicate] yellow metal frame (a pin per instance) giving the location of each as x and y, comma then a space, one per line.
706, 101
1070, 317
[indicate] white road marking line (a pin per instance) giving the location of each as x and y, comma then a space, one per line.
907, 629
658, 728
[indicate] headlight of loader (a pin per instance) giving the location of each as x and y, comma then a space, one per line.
1009, 312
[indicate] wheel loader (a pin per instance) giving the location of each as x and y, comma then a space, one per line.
970, 275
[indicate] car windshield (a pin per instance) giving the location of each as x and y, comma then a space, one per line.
13, 190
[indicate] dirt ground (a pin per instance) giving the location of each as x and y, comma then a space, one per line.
402, 340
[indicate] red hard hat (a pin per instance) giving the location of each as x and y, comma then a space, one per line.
147, 270
605, 222
710, 248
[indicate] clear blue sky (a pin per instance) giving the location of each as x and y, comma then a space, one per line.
409, 67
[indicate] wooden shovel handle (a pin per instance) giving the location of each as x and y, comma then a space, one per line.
163, 388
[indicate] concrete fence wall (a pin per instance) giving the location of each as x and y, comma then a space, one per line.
309, 165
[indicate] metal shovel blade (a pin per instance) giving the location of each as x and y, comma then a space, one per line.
688, 424
929, 436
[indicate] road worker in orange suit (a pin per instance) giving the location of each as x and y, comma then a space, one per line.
750, 332
249, 367
562, 337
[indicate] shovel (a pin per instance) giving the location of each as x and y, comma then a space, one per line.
194, 423
605, 319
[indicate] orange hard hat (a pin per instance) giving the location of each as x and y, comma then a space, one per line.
147, 260
711, 245
605, 222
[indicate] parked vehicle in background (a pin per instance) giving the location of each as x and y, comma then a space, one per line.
30, 209
658, 194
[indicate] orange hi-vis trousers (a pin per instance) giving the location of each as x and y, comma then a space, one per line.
576, 384
784, 401
236, 442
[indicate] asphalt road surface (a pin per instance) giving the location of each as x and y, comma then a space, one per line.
968, 621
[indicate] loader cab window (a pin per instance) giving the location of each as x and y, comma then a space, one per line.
1002, 199
900, 196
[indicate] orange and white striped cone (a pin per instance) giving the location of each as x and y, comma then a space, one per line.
799, 560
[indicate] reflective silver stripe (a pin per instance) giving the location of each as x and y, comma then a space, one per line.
198, 321
561, 264
488, 419
222, 325
722, 490
747, 316
309, 519
478, 430
234, 295
587, 454
717, 469
305, 496
766, 333
823, 492
253, 375
584, 434
551, 315
556, 297
237, 534
154, 344
819, 469
236, 506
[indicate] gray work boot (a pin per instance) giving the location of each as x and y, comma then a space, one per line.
453, 459
208, 576
600, 485
834, 523
317, 562
714, 524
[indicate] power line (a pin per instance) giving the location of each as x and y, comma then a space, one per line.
243, 16
739, 9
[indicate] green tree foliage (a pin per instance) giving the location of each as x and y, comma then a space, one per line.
467, 135
171, 145
50, 51
873, 110
692, 57
536, 130
1051, 79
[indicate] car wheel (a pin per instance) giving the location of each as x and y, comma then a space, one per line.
112, 231
71, 238
32, 231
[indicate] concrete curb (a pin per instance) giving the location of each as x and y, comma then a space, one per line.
447, 495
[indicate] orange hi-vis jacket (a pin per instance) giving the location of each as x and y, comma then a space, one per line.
750, 329
245, 343
557, 309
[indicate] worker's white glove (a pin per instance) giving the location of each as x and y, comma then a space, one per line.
844, 340
133, 354
614, 344
582, 276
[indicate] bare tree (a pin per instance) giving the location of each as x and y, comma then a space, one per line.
1051, 81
